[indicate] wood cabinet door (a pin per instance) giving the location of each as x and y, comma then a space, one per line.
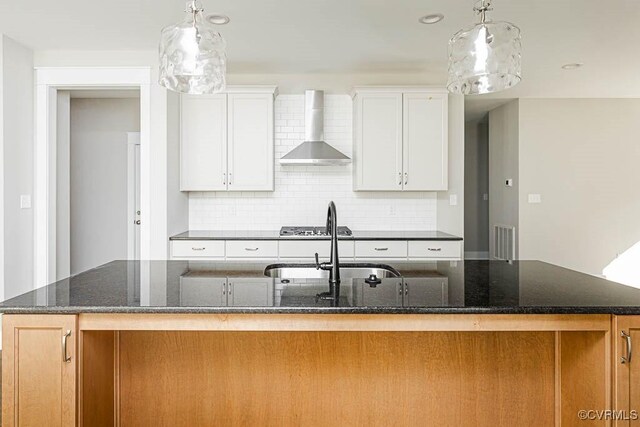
203, 143
627, 369
425, 147
378, 142
251, 142
39, 370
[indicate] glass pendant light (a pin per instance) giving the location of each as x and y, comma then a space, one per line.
193, 56
484, 58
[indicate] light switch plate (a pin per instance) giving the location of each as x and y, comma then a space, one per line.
453, 200
25, 201
485, 197
535, 198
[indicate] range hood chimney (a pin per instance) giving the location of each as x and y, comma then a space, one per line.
314, 151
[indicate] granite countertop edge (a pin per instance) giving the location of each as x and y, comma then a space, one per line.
368, 235
628, 310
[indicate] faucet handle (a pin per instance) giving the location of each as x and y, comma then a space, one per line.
317, 262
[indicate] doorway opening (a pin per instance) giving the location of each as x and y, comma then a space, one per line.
97, 177
476, 188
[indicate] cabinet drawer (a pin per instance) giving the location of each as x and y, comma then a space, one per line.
197, 248
381, 249
434, 249
252, 248
308, 248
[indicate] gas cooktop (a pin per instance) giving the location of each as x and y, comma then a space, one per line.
311, 231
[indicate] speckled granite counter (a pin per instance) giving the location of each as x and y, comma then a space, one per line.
528, 287
275, 235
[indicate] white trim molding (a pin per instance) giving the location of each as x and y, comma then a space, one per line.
48, 81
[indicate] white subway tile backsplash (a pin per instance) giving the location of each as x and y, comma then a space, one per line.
302, 192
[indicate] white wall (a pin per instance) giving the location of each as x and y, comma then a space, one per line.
17, 165
177, 201
302, 192
503, 165
476, 185
583, 157
99, 179
451, 217
63, 185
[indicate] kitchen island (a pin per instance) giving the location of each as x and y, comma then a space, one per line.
183, 343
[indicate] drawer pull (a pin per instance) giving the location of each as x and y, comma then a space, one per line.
251, 249
65, 357
198, 249
627, 337
434, 249
381, 249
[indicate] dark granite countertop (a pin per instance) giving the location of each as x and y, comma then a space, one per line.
526, 287
275, 235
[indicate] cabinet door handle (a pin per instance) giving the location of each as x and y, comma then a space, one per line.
406, 178
65, 338
434, 249
230, 175
251, 249
198, 249
224, 179
230, 289
627, 337
399, 178
381, 249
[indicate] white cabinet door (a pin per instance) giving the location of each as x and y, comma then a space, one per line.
425, 141
378, 140
203, 143
250, 142
203, 291
250, 292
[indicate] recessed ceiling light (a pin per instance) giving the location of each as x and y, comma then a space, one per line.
572, 66
218, 19
432, 18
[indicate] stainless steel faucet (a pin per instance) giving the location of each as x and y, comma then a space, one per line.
334, 263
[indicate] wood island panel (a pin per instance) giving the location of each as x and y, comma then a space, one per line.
335, 378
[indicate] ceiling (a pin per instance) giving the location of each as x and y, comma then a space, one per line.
361, 36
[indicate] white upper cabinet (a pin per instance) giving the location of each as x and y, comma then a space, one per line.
203, 148
401, 139
227, 140
424, 141
378, 141
250, 142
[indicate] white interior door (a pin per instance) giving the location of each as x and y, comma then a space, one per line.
133, 195
379, 142
425, 141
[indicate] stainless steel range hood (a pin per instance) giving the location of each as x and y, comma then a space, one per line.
314, 151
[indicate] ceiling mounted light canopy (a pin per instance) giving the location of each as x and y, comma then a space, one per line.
484, 58
193, 56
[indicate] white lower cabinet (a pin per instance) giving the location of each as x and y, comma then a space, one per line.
252, 248
197, 249
304, 250
434, 249
199, 290
250, 292
381, 249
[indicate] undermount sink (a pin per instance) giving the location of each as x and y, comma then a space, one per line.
347, 271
